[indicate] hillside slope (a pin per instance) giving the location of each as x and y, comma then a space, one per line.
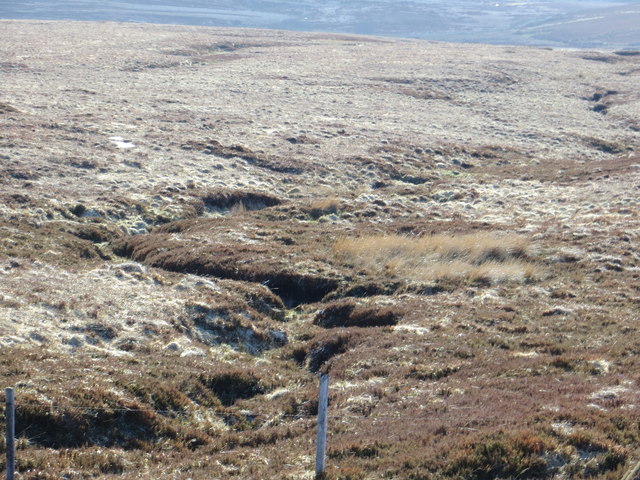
561, 23
194, 222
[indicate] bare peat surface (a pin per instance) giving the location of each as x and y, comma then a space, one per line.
195, 221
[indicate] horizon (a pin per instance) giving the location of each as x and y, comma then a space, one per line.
601, 24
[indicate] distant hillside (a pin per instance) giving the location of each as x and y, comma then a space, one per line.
598, 24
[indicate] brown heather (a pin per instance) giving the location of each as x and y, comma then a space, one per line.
174, 273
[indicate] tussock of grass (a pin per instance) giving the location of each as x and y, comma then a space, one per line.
347, 313
486, 256
324, 206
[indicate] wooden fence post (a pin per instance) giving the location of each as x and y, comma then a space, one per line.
633, 474
10, 414
321, 441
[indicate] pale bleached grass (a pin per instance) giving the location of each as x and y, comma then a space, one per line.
482, 256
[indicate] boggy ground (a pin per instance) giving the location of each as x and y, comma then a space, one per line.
195, 222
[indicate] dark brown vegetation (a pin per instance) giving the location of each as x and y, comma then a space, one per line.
472, 289
347, 313
213, 147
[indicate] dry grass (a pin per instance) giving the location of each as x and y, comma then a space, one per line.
325, 206
487, 256
238, 209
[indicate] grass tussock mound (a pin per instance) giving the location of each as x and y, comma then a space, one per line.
347, 313
234, 201
483, 257
322, 207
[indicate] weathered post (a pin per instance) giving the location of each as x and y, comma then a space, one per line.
10, 413
321, 442
634, 473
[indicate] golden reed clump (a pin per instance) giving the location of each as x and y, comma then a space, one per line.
483, 256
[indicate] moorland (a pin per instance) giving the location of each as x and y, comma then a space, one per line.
195, 222
611, 24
